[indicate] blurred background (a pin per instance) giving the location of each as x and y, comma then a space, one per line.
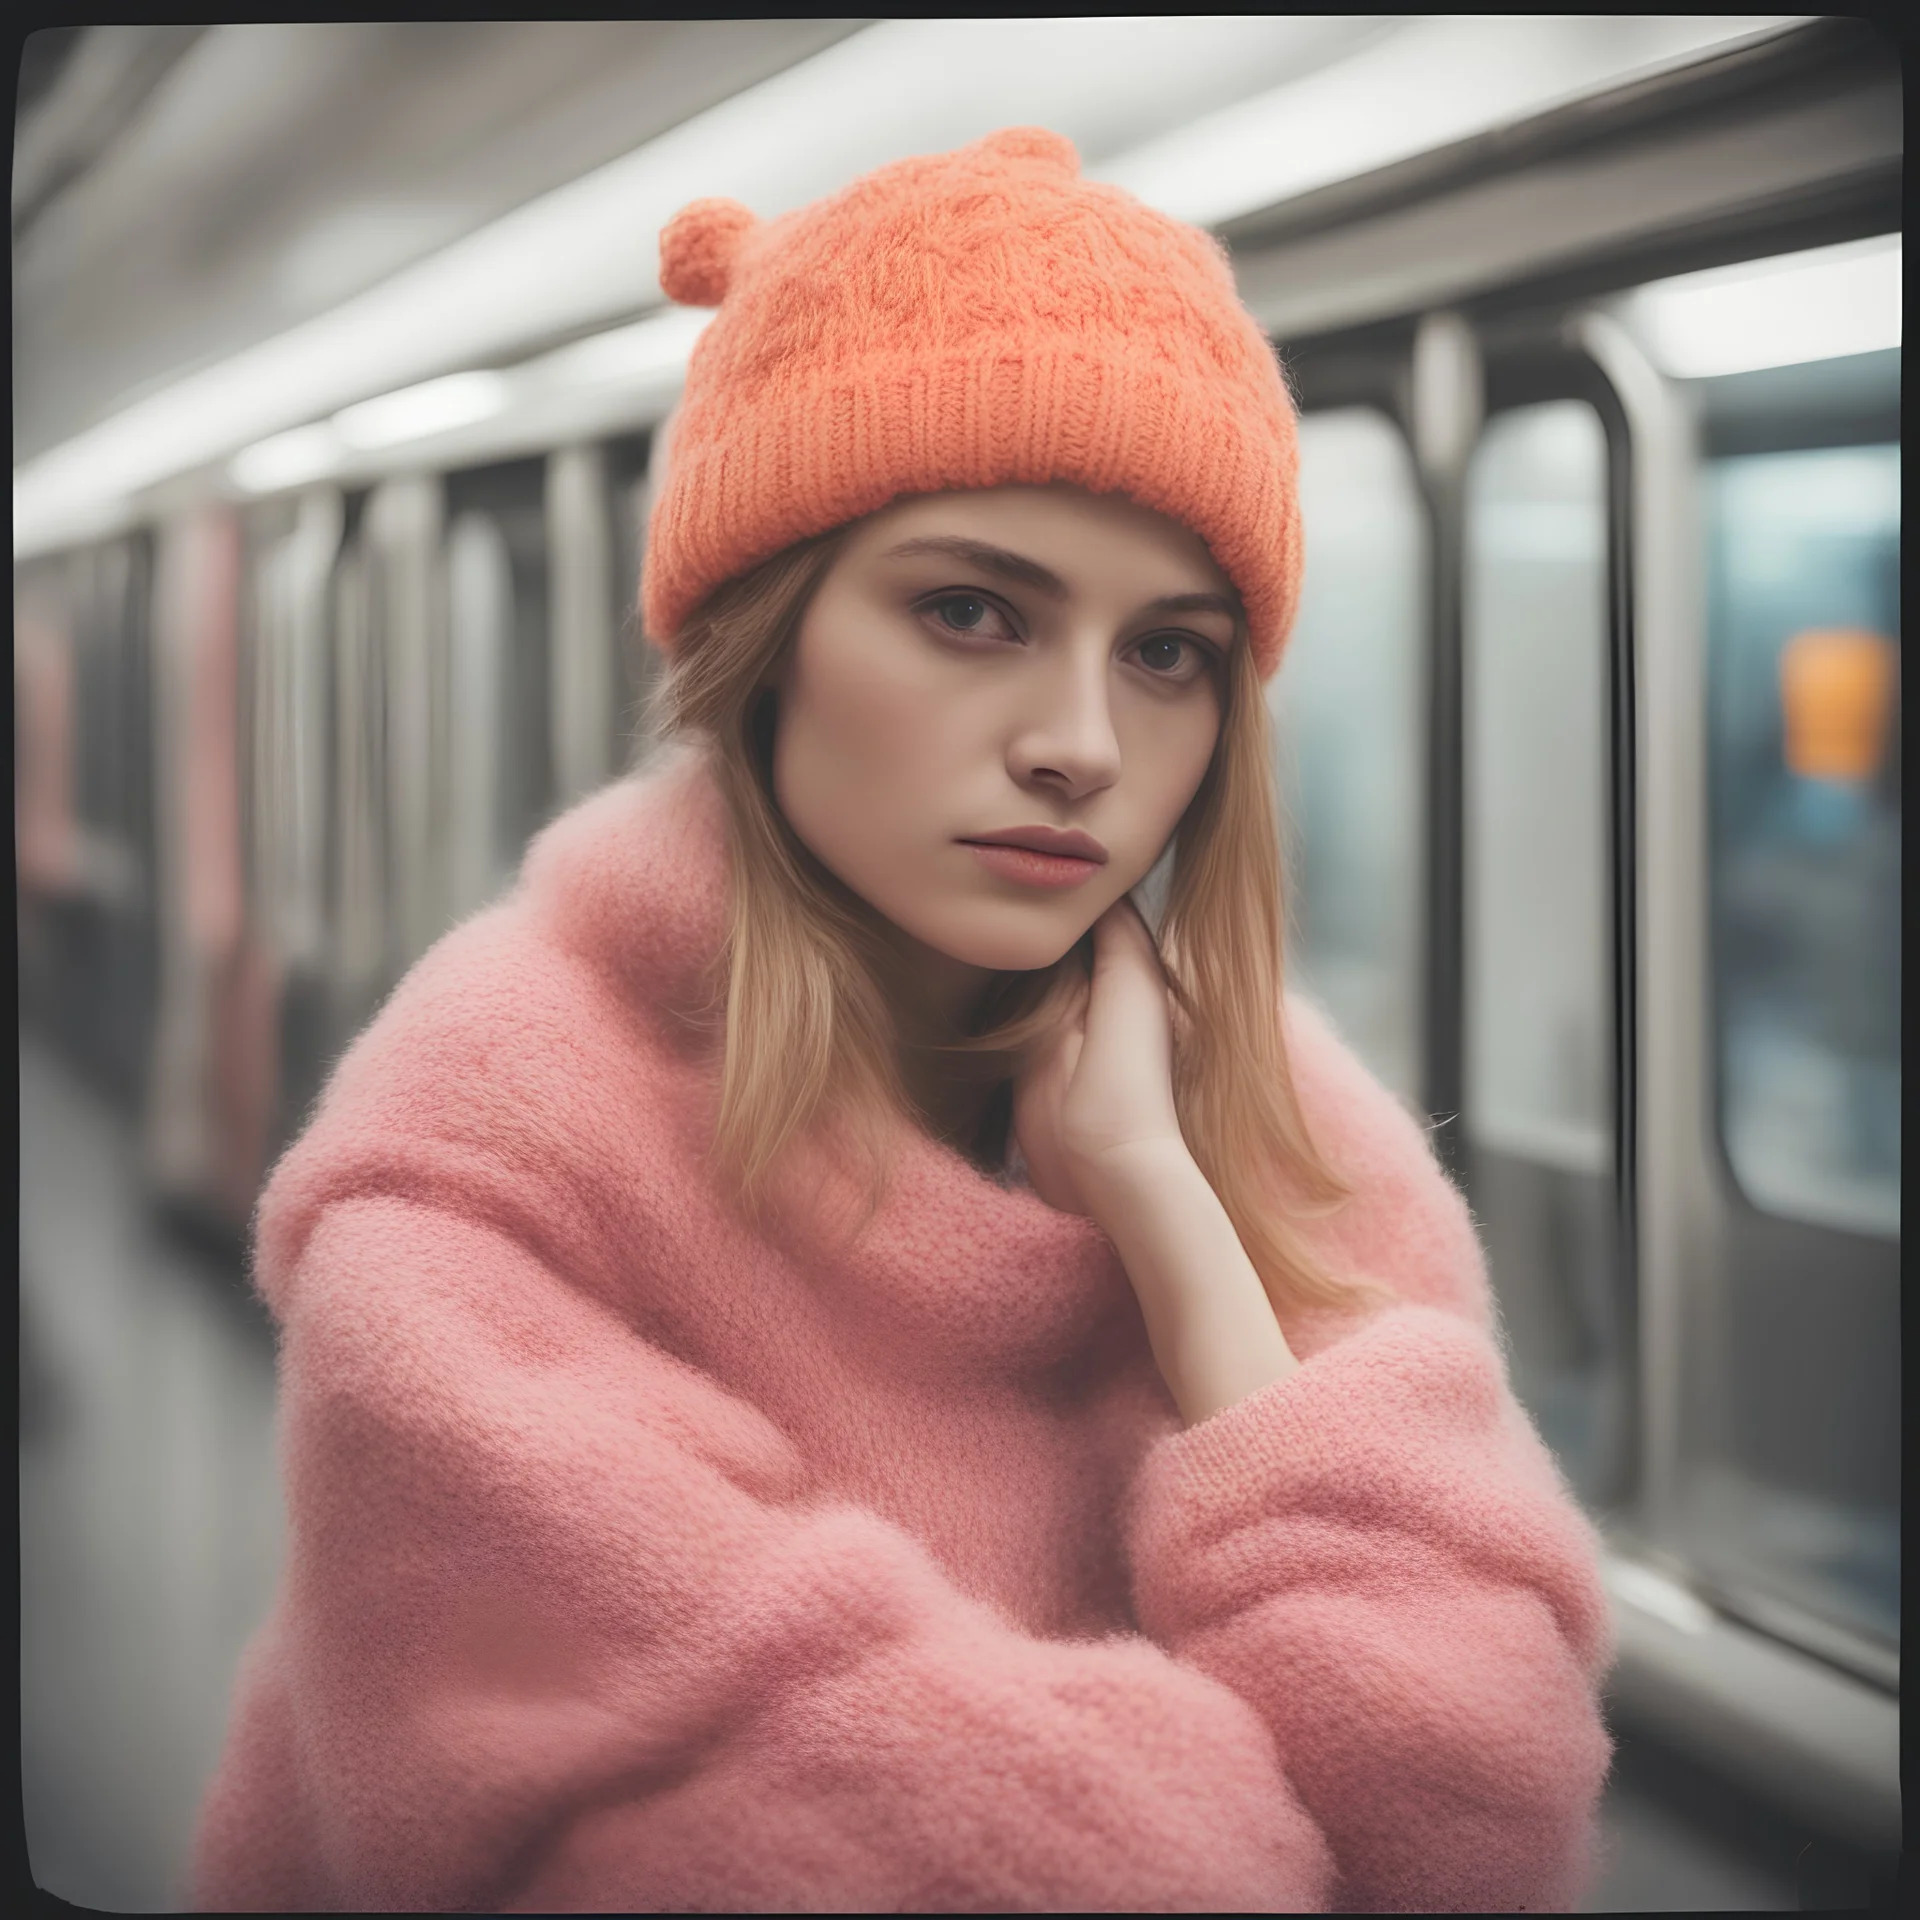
339, 359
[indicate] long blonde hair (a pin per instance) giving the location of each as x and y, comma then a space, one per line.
809, 1035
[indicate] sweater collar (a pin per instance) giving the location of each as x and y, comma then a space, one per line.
967, 1269
635, 878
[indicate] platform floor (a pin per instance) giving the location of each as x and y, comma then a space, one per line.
151, 1530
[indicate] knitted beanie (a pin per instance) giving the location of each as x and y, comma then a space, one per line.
978, 318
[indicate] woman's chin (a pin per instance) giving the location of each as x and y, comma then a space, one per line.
1027, 951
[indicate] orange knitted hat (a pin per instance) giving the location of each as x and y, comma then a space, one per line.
979, 318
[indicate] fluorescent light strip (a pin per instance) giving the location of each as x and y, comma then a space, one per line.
585, 253
646, 350
295, 458
1782, 312
638, 364
414, 413
1444, 78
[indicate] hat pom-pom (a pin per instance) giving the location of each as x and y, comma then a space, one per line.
698, 248
1039, 145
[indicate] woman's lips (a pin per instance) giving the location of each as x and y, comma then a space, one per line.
1033, 869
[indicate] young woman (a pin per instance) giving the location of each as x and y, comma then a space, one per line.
824, 1365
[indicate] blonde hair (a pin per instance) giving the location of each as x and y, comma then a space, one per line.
809, 1035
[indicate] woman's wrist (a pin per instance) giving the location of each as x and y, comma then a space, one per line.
1209, 1321
1124, 1179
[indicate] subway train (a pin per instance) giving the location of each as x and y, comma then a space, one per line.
1588, 743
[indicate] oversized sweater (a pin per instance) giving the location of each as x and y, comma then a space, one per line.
639, 1559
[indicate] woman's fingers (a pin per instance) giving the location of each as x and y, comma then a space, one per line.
1101, 1084
1121, 1091
1129, 993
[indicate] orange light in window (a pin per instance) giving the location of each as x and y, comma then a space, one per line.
1836, 693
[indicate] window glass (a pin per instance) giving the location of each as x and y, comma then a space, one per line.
1789, 1492
289, 719
359, 938
1804, 668
1539, 1100
402, 535
501, 680
480, 604
1349, 745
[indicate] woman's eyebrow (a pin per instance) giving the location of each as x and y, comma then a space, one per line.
990, 559
1195, 603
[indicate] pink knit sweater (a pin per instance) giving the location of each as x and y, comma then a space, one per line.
637, 1561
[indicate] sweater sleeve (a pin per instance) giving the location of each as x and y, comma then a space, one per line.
564, 1626
1377, 1554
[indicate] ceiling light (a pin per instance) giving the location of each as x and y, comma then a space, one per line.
288, 459
412, 413
1434, 80
1781, 312
650, 348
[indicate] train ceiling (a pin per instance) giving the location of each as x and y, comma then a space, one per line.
182, 192
220, 233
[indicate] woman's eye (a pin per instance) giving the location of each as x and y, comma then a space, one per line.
964, 612
1171, 656
969, 613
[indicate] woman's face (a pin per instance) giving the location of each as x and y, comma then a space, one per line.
1017, 664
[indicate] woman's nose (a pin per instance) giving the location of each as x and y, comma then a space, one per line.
1067, 740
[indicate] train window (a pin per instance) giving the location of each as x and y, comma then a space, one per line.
500, 541
289, 692
1349, 748
357, 960
633, 482
584, 627
288, 658
1790, 1479
1538, 1111
44, 828
111, 664
402, 529
43, 735
1803, 679
480, 665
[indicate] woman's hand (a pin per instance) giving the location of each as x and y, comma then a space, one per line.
1093, 1111
1096, 1101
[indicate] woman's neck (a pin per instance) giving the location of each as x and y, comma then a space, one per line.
936, 1000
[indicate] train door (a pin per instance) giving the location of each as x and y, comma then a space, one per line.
1447, 725
1545, 810
1767, 563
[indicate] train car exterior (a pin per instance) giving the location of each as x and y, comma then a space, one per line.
1589, 749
